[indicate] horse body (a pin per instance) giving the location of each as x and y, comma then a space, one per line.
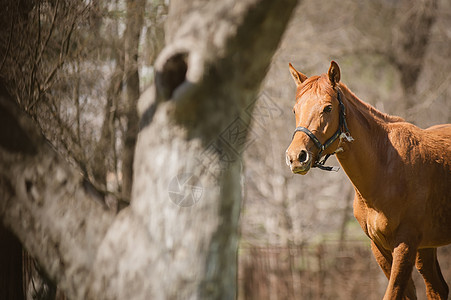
401, 175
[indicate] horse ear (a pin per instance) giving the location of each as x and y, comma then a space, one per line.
297, 76
334, 73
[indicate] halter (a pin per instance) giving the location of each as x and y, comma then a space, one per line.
342, 129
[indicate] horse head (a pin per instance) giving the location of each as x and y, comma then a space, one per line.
319, 111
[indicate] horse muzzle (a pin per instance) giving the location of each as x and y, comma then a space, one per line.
299, 162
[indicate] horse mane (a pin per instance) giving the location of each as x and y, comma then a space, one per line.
368, 107
321, 85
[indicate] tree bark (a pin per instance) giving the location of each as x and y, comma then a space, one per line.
178, 239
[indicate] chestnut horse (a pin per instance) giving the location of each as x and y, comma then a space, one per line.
401, 175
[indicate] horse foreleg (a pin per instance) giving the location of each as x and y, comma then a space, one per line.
384, 259
427, 265
401, 273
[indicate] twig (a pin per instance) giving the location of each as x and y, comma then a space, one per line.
9, 44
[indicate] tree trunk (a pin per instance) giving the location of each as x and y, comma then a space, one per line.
11, 283
411, 41
135, 15
178, 238
107, 140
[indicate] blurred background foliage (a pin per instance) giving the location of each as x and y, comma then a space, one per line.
73, 66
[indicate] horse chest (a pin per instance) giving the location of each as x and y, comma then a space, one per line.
379, 229
375, 224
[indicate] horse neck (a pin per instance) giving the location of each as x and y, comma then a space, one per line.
367, 127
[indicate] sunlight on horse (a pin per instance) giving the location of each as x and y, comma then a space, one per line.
401, 175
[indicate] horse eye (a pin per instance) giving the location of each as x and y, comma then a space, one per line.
327, 109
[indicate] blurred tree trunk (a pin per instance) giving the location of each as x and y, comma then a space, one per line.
194, 124
107, 141
11, 283
410, 42
346, 215
107, 134
186, 192
135, 15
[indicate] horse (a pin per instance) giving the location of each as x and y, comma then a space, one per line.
401, 175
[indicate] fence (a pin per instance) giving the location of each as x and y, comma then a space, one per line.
325, 271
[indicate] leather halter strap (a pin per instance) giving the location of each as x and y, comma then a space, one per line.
342, 128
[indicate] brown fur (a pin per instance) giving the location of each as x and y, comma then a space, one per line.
401, 175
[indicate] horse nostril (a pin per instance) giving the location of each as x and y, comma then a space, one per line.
303, 156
